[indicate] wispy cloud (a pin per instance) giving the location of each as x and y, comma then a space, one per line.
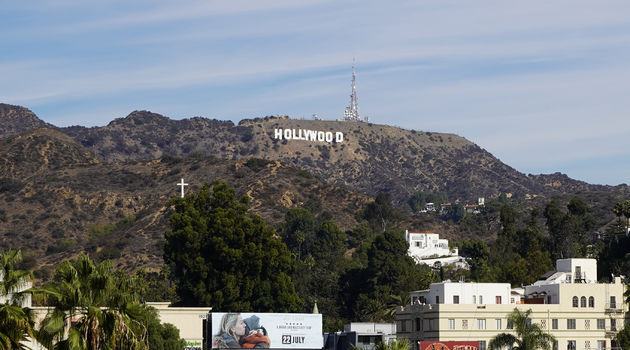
536, 85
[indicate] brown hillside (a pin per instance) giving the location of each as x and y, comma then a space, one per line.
16, 120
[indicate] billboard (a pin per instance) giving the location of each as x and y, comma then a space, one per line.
268, 330
449, 345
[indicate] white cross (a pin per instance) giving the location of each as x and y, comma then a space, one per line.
182, 184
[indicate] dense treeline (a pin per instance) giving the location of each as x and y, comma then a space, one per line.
219, 255
224, 257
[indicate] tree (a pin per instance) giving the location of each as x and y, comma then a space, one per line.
623, 209
161, 336
380, 213
389, 273
477, 254
568, 231
529, 335
416, 201
16, 325
223, 257
622, 339
455, 212
398, 344
92, 308
297, 231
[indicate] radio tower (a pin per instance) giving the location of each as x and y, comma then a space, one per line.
352, 111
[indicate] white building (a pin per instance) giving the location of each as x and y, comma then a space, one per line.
362, 335
579, 312
463, 293
189, 320
427, 248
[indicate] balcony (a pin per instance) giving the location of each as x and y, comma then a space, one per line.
613, 308
610, 334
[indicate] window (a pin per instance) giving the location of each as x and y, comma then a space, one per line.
437, 299
575, 301
554, 323
571, 323
555, 345
498, 322
451, 323
417, 244
587, 344
455, 299
482, 345
543, 324
601, 323
571, 345
509, 324
474, 299
481, 323
497, 299
418, 324
613, 324
481, 299
464, 324
528, 322
591, 302
613, 302
583, 301
587, 325
601, 344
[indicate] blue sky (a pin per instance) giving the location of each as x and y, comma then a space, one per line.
541, 85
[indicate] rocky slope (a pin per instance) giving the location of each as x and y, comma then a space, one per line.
57, 199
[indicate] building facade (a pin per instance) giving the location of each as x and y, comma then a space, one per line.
580, 315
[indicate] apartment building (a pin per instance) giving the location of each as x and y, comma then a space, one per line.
569, 304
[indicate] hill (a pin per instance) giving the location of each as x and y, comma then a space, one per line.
104, 189
16, 119
372, 158
56, 199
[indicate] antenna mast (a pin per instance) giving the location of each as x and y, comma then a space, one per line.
352, 111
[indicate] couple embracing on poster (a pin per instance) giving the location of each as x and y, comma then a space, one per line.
236, 332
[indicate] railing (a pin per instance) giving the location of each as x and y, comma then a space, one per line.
611, 333
613, 307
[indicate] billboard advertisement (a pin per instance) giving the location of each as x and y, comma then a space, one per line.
449, 345
266, 330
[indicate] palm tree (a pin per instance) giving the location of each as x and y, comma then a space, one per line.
16, 325
92, 308
398, 344
529, 336
623, 209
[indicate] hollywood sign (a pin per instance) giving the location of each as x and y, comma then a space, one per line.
308, 135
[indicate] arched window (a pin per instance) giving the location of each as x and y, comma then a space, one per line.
591, 302
575, 301
583, 302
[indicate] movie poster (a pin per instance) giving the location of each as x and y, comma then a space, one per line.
266, 330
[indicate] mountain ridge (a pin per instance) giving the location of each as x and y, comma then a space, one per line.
372, 158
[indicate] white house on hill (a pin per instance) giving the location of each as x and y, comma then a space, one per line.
428, 248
